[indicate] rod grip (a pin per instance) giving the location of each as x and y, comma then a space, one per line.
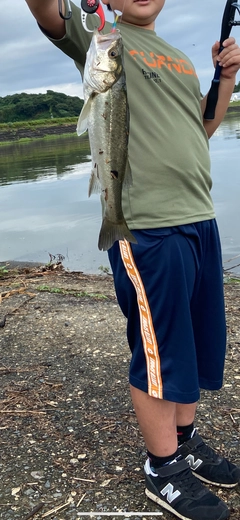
212, 99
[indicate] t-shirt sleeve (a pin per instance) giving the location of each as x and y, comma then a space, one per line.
76, 41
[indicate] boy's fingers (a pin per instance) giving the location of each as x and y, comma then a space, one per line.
228, 44
229, 41
233, 58
227, 51
215, 50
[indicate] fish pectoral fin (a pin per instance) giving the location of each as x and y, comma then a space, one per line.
82, 125
94, 182
128, 181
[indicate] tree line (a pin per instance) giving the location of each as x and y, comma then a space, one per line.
27, 107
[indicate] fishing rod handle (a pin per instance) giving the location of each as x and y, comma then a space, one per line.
212, 100
227, 23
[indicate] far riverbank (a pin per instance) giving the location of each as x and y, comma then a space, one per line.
47, 128
44, 128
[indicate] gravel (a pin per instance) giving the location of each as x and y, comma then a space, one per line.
70, 441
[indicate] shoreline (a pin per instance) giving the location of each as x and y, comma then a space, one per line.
25, 131
24, 266
19, 134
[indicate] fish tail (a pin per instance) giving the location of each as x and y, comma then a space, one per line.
111, 232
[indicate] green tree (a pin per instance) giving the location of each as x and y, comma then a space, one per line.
27, 107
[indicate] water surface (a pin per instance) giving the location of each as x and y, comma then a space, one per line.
44, 204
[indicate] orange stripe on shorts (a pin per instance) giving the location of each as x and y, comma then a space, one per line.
147, 330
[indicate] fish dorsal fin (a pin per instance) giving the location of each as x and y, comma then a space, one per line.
82, 125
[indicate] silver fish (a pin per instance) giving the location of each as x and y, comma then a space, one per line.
105, 114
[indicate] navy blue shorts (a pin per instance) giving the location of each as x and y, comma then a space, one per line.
170, 287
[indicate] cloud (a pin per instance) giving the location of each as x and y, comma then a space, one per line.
71, 89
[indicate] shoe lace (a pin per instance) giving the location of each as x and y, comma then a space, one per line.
208, 452
191, 483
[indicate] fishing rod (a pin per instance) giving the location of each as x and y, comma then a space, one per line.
228, 21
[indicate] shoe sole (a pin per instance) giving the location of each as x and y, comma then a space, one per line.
163, 504
228, 486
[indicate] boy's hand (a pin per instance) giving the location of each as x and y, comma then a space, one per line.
229, 58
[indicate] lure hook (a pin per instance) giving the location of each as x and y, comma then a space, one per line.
91, 7
69, 13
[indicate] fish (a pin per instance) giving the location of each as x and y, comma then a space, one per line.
105, 114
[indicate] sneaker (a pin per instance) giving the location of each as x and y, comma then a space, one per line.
207, 465
175, 488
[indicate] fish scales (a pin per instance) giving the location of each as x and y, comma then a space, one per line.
106, 115
109, 147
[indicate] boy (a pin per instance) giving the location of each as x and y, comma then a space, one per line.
169, 285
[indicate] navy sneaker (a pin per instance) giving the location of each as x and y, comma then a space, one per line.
207, 465
175, 488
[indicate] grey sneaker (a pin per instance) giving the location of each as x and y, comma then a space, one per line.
207, 465
175, 488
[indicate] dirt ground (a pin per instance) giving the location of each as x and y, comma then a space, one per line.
69, 438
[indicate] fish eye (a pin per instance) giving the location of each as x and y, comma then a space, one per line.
113, 54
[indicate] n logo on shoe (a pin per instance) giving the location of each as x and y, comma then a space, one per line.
171, 494
191, 461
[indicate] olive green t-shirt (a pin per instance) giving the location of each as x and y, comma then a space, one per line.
168, 145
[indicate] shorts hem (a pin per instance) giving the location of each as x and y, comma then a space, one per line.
169, 395
210, 385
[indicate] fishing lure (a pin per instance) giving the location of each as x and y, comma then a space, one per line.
114, 25
228, 22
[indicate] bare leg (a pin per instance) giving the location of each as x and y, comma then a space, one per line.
185, 414
158, 421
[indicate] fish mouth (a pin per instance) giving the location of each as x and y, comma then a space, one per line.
104, 40
108, 37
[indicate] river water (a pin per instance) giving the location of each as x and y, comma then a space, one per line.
45, 209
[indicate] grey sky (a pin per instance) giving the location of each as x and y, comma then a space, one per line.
30, 63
